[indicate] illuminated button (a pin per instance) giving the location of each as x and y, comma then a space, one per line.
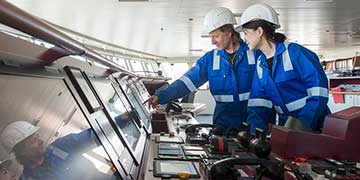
184, 175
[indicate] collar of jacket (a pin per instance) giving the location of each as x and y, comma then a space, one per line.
243, 47
279, 49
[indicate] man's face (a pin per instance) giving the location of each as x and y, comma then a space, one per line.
220, 39
34, 147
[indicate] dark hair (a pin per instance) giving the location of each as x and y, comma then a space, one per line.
230, 29
269, 30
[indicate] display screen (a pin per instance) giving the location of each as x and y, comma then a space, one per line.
169, 146
119, 111
165, 168
194, 153
171, 168
174, 139
174, 152
194, 148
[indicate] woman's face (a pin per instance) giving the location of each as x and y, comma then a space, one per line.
252, 38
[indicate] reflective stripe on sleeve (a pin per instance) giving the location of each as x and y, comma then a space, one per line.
188, 83
318, 91
298, 104
260, 102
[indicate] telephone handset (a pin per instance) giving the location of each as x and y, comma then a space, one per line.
195, 136
194, 127
173, 106
224, 169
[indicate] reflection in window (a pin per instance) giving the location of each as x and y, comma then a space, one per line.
75, 154
122, 114
144, 113
143, 110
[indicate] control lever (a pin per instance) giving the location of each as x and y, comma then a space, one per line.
244, 136
259, 145
222, 169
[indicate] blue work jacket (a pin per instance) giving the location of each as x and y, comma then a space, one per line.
296, 86
229, 86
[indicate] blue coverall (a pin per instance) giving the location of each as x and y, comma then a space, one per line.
64, 160
296, 86
229, 86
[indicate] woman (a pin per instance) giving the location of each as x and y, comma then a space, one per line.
289, 78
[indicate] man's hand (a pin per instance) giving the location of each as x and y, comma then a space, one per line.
153, 101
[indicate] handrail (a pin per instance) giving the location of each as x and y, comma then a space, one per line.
16, 18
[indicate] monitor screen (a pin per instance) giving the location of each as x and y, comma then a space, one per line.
164, 168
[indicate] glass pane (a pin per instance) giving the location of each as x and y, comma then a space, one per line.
120, 61
137, 67
119, 111
136, 103
53, 139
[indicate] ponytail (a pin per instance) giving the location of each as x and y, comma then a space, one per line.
278, 37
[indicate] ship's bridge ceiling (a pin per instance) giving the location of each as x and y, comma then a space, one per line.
172, 28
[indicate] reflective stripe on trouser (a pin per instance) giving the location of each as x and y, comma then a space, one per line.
224, 98
244, 96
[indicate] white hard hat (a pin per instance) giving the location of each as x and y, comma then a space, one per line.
216, 18
15, 133
259, 11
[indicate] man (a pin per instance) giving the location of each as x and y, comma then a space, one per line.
62, 159
229, 69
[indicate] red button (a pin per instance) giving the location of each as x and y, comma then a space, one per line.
300, 159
